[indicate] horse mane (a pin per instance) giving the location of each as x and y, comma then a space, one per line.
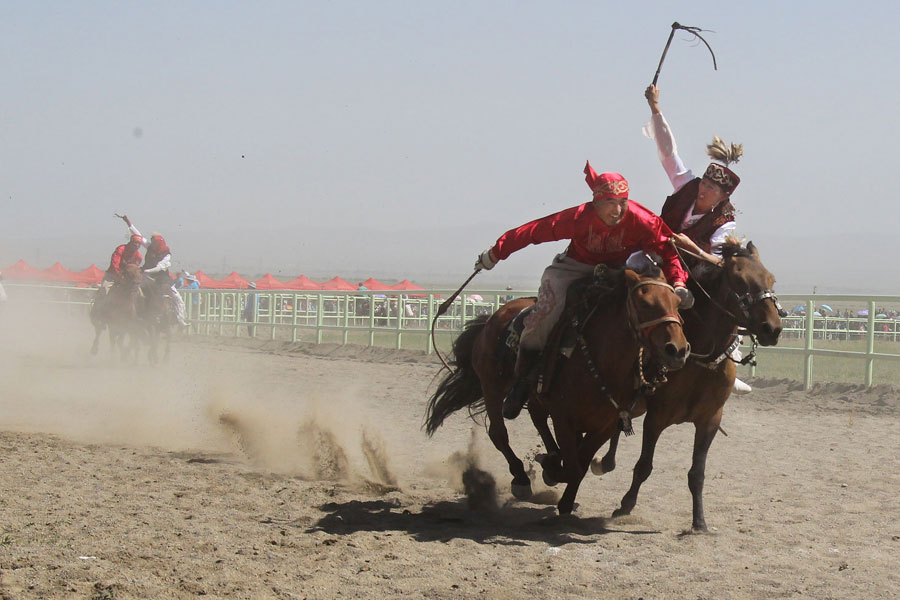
734, 249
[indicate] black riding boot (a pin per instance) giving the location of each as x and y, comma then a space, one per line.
526, 375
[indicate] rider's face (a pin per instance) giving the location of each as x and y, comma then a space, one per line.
611, 210
709, 195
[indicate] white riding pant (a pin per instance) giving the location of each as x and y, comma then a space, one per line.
178, 303
551, 299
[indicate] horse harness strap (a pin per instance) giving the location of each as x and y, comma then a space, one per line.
712, 365
624, 415
647, 327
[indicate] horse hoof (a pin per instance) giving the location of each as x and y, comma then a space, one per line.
548, 479
620, 512
521, 491
597, 467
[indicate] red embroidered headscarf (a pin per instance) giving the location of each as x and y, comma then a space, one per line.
605, 185
158, 245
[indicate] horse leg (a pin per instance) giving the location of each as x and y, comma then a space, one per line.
704, 434
550, 462
98, 331
608, 462
644, 465
521, 483
586, 450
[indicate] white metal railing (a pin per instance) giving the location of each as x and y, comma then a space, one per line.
402, 319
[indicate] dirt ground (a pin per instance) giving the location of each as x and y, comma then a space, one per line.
254, 470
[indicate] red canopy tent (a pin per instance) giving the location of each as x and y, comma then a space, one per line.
22, 270
406, 284
57, 272
336, 283
233, 281
374, 284
302, 283
92, 274
268, 282
208, 282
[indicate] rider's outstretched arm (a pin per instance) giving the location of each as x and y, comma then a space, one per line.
658, 129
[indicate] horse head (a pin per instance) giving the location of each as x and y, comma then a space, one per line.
652, 309
752, 300
133, 274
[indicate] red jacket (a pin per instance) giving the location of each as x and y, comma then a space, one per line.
121, 257
594, 242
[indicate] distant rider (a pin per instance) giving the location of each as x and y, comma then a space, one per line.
607, 230
156, 267
124, 255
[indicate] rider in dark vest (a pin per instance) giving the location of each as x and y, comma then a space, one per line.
700, 212
156, 268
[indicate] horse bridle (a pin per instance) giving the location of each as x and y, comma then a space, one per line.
747, 301
642, 330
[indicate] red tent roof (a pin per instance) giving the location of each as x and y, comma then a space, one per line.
206, 281
57, 272
406, 284
374, 284
92, 274
268, 282
336, 283
22, 270
302, 283
233, 281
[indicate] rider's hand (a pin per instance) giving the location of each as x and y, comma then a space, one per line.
127, 220
485, 260
652, 96
687, 298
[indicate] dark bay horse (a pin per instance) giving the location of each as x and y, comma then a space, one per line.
739, 296
117, 312
157, 314
640, 311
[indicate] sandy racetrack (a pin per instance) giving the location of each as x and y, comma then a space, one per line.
254, 470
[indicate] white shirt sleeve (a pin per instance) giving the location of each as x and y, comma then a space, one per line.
658, 129
164, 263
718, 237
144, 241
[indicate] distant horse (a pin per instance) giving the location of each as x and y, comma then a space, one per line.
117, 312
157, 314
639, 312
739, 296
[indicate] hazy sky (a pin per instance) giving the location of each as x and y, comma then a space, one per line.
399, 139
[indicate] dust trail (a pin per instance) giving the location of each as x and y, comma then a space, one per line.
377, 458
329, 461
479, 486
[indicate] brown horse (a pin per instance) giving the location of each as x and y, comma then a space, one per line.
738, 295
639, 312
117, 312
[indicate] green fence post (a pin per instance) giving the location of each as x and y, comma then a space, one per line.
429, 345
808, 358
346, 317
371, 319
320, 310
295, 306
870, 343
401, 308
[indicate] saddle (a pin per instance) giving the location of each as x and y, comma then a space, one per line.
583, 296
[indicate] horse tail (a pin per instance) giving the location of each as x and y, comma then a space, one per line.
461, 387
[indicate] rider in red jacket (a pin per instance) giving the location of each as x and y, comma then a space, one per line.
607, 230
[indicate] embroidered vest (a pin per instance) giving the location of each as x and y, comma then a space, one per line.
675, 209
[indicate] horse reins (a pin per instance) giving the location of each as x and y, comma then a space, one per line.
641, 331
441, 310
